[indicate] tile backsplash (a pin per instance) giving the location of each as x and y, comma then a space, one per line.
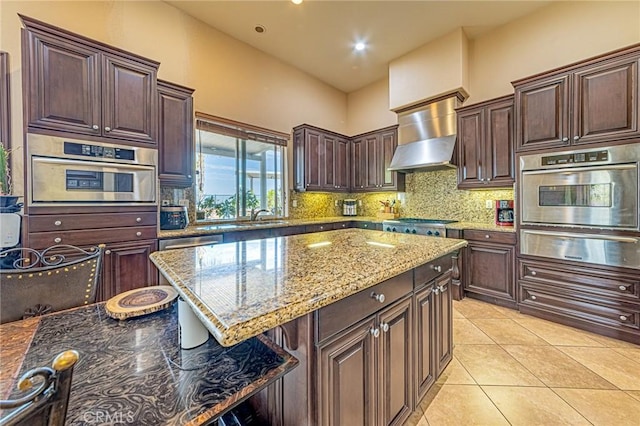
428, 194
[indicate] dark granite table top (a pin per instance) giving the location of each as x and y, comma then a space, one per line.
134, 371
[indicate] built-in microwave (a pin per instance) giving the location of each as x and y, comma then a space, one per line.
62, 170
595, 188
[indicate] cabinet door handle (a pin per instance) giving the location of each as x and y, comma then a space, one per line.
436, 290
188, 176
623, 317
57, 223
385, 327
622, 288
379, 297
95, 127
533, 298
488, 179
107, 252
375, 332
576, 137
107, 129
138, 219
138, 234
57, 240
534, 273
487, 236
565, 139
437, 268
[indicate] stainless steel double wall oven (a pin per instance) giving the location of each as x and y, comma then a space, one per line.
582, 205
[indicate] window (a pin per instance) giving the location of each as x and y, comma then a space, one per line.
240, 169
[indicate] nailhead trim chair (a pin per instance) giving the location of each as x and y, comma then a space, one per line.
59, 277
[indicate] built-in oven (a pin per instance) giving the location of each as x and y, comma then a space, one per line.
63, 170
582, 205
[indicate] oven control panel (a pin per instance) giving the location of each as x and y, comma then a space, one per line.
578, 157
98, 151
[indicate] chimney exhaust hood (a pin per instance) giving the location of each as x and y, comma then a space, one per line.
427, 136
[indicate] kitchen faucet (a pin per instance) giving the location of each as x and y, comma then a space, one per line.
254, 214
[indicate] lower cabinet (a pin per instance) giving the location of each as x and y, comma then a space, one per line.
489, 266
126, 266
443, 321
366, 372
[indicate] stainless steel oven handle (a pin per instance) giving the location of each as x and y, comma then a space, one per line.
102, 165
588, 236
577, 169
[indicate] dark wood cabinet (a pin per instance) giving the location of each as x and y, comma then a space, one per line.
589, 102
425, 374
486, 157
489, 266
366, 371
175, 136
76, 86
603, 301
327, 161
443, 318
371, 156
126, 266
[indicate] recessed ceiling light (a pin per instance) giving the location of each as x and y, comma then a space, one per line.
260, 29
360, 46
296, 1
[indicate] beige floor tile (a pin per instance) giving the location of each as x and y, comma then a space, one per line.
557, 334
455, 374
631, 353
456, 314
492, 365
635, 394
510, 313
463, 405
533, 406
507, 332
603, 407
416, 419
609, 342
606, 362
555, 368
466, 333
475, 309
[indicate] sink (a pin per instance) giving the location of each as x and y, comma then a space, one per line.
267, 223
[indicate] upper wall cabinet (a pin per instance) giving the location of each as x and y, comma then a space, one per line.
321, 160
486, 148
371, 155
75, 86
590, 102
175, 137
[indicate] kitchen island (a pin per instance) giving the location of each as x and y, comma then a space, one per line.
367, 313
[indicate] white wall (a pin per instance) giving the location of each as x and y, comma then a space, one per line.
368, 108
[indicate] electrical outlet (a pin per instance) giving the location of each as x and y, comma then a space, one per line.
166, 202
336, 203
184, 202
359, 203
294, 203
488, 204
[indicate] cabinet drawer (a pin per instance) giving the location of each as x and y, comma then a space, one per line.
90, 237
46, 223
600, 283
492, 236
342, 314
609, 313
429, 271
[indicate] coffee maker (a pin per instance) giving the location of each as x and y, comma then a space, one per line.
504, 212
349, 207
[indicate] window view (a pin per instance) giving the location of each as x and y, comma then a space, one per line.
238, 174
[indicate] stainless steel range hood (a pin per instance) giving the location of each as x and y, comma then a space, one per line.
426, 137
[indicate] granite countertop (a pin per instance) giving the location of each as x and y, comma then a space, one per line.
222, 227
241, 289
481, 226
135, 371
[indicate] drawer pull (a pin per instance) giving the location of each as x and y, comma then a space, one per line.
437, 268
57, 223
534, 273
622, 288
385, 327
436, 290
107, 252
487, 236
379, 297
623, 317
57, 240
107, 129
138, 219
442, 289
533, 298
138, 234
375, 332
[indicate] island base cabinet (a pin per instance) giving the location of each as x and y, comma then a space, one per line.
444, 320
425, 374
365, 373
126, 266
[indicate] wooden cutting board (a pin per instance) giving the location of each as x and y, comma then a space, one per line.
141, 301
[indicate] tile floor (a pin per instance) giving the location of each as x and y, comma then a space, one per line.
514, 369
